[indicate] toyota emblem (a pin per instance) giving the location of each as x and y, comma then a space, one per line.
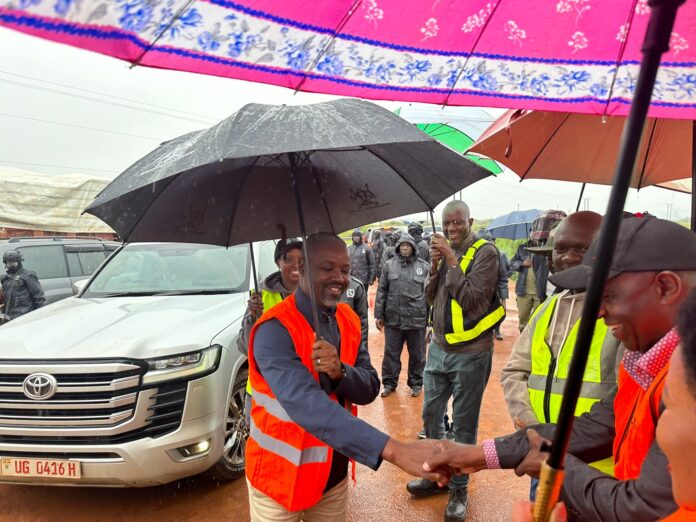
40, 386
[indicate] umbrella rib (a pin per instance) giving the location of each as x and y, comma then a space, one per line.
323, 196
328, 43
647, 152
149, 205
622, 50
399, 174
541, 149
473, 48
166, 28
234, 210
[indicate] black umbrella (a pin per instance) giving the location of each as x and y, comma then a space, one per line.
329, 166
656, 43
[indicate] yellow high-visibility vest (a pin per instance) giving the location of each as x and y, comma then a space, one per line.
458, 327
269, 299
547, 381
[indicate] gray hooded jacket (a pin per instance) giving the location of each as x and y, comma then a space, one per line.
362, 263
401, 293
273, 283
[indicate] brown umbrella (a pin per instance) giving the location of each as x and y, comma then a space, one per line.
585, 148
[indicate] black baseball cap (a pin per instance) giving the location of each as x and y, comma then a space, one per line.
644, 244
285, 245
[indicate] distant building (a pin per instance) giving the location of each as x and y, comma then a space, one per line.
36, 205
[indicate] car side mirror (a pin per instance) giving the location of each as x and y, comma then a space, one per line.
79, 286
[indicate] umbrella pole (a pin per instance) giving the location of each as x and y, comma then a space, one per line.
693, 175
324, 379
253, 268
582, 191
656, 42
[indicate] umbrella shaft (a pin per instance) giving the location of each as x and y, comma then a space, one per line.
323, 378
253, 268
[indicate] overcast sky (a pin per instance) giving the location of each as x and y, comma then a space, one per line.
64, 110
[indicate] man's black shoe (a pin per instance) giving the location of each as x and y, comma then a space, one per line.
416, 391
386, 391
456, 505
424, 488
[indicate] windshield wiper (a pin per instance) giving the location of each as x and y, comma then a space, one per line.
197, 292
123, 294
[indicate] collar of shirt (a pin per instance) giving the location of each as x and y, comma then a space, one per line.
644, 367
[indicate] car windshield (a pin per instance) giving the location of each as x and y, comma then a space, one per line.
172, 268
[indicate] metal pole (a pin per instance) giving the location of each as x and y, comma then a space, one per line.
324, 379
253, 268
582, 191
656, 42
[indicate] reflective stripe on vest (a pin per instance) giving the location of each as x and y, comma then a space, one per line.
269, 299
459, 328
283, 460
547, 381
311, 455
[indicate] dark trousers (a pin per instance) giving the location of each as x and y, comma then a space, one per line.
462, 376
394, 339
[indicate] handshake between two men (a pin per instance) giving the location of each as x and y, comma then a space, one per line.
439, 460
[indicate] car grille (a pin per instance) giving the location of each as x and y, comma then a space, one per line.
92, 403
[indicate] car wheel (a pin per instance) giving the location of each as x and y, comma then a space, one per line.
231, 464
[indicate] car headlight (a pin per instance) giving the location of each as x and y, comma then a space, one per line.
182, 366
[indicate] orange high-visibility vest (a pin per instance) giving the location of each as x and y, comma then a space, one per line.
284, 461
682, 515
636, 412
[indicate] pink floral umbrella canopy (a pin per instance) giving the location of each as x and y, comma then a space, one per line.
564, 55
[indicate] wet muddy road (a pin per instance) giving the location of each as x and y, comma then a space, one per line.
377, 495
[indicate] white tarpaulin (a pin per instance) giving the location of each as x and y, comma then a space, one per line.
52, 203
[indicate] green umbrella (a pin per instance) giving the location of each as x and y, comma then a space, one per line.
457, 141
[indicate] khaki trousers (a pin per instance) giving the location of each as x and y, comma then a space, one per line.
526, 304
333, 507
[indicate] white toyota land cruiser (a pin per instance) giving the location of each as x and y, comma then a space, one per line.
137, 380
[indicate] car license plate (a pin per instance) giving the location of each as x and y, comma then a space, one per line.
46, 468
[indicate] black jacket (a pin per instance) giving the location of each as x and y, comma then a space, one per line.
541, 271
22, 293
400, 298
356, 297
423, 250
362, 263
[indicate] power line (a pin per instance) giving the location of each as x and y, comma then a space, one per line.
196, 115
159, 140
67, 167
107, 102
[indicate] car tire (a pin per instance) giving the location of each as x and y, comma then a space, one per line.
231, 464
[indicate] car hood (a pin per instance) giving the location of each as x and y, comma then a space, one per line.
137, 327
